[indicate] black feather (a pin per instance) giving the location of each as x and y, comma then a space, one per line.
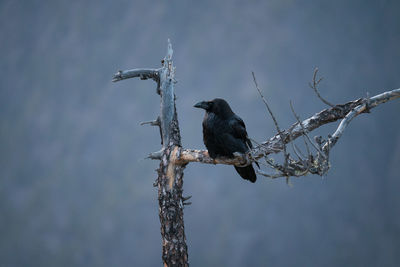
225, 133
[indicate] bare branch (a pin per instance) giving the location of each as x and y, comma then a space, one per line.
305, 134
152, 123
266, 104
144, 74
156, 155
314, 86
273, 117
368, 104
194, 155
275, 144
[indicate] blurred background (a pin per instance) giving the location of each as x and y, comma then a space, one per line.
75, 189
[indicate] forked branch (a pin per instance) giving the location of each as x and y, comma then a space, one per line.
275, 144
314, 85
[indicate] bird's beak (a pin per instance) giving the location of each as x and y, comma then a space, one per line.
202, 104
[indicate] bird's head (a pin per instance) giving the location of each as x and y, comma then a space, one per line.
218, 106
206, 105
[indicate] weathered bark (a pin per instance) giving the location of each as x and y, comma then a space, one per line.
170, 199
170, 174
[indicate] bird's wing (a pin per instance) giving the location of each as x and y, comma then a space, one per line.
239, 130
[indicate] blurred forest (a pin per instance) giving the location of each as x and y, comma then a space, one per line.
75, 189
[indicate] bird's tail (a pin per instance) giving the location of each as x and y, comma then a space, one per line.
247, 173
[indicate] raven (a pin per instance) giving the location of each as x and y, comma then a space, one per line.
224, 133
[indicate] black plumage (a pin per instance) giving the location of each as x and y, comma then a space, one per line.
225, 133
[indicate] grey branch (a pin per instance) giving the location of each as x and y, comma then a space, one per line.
143, 74
365, 107
152, 123
286, 155
314, 86
275, 144
266, 103
156, 155
184, 156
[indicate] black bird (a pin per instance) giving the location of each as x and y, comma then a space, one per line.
224, 133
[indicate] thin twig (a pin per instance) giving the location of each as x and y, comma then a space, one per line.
266, 104
295, 151
314, 86
273, 117
299, 151
302, 127
304, 131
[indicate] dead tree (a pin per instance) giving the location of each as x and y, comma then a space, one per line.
170, 174
173, 158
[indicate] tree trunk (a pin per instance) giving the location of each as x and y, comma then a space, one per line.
170, 182
170, 174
